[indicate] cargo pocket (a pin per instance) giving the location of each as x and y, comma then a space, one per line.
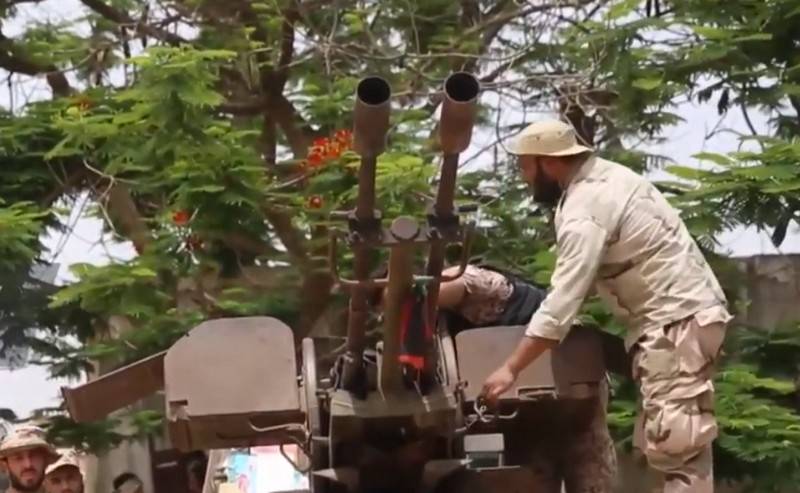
678, 429
655, 364
685, 338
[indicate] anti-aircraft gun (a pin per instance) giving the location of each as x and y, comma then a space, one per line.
401, 416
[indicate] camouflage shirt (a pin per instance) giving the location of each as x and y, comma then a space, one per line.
486, 294
617, 234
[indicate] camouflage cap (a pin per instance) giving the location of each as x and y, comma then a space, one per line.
69, 458
26, 437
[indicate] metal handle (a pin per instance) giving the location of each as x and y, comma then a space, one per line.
286, 428
536, 393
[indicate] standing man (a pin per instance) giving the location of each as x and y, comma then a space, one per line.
64, 475
616, 233
24, 454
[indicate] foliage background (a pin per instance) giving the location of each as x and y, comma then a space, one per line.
208, 135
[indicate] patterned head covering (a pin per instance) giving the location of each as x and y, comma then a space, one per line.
69, 458
26, 437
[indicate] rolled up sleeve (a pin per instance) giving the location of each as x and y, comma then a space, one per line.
581, 244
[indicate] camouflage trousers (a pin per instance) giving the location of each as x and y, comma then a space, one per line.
674, 368
579, 453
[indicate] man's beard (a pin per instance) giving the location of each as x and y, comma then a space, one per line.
546, 191
18, 485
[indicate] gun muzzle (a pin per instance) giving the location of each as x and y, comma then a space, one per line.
371, 116
458, 112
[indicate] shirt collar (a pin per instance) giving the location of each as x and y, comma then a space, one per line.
581, 173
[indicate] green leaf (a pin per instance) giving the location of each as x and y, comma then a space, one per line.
621, 8
354, 22
64, 148
790, 89
143, 272
647, 84
785, 172
209, 188
753, 37
714, 33
686, 172
714, 157
783, 187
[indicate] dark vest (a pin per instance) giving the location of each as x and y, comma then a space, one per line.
525, 299
523, 303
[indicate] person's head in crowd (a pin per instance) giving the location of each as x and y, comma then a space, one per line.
127, 482
64, 475
196, 471
24, 456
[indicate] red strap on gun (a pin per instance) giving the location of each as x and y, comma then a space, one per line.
416, 333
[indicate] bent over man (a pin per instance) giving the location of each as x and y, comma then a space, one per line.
616, 233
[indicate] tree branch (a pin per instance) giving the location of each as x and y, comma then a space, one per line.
470, 12
64, 187
290, 124
120, 17
251, 107
289, 235
14, 60
126, 216
287, 46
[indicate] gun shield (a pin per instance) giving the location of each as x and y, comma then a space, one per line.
371, 116
458, 112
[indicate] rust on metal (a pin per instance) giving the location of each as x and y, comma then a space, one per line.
113, 391
370, 125
371, 116
455, 132
458, 112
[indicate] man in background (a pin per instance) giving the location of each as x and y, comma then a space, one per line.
24, 456
64, 475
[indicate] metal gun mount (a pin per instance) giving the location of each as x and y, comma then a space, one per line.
232, 383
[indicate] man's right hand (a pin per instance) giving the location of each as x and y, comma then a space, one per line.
498, 383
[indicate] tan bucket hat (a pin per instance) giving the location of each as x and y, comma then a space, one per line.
69, 458
25, 437
547, 138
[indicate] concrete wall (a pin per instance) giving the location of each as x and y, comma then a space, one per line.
771, 283
131, 457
